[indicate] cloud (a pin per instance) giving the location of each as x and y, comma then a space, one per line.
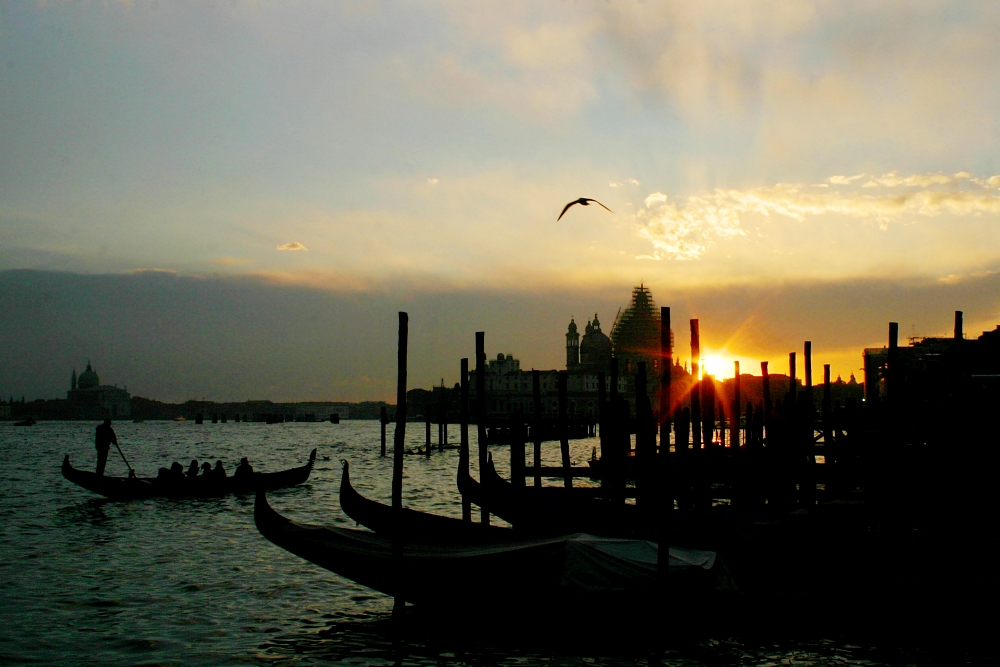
226, 260
955, 278
151, 270
295, 245
627, 181
844, 180
808, 79
685, 232
433, 181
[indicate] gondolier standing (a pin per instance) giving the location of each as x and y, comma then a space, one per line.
102, 441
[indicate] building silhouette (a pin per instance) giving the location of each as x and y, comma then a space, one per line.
87, 398
634, 337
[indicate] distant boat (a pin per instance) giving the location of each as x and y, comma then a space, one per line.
179, 419
26, 422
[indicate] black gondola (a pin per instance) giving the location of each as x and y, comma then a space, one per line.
567, 568
125, 488
546, 510
379, 517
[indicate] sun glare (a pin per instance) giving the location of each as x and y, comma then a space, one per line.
717, 366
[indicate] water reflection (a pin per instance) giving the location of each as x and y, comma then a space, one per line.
89, 511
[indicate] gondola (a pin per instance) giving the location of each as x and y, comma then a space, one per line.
134, 488
379, 517
546, 510
567, 568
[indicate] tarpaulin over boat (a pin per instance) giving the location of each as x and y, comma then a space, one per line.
608, 565
447, 572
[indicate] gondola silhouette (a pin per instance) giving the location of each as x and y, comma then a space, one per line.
125, 488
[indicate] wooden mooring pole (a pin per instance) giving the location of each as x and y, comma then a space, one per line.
645, 441
766, 390
809, 373
383, 418
792, 384
666, 364
463, 418
427, 429
399, 440
665, 497
707, 401
695, 397
481, 414
734, 414
517, 434
829, 445
563, 430
536, 425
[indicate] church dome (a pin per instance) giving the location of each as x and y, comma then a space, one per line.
595, 348
88, 378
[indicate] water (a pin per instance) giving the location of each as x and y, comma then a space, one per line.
164, 582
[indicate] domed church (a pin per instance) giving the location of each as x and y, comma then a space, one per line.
593, 353
635, 337
89, 399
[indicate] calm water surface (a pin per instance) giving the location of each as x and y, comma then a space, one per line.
164, 582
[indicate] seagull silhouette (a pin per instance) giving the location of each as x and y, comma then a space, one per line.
582, 201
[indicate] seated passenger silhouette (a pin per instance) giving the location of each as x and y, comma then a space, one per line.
170, 475
206, 469
244, 469
193, 469
219, 471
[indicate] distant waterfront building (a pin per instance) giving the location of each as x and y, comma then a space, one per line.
635, 337
89, 399
509, 389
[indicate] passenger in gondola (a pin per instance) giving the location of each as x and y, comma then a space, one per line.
206, 469
219, 472
103, 440
193, 469
170, 475
244, 469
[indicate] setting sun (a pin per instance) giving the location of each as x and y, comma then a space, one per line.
717, 366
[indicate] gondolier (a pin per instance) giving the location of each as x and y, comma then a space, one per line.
103, 440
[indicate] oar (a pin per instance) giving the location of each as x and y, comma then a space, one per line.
131, 473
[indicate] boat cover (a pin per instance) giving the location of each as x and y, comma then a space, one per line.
602, 564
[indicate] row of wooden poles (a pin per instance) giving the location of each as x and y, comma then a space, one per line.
694, 427
517, 442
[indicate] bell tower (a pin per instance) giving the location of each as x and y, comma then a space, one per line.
572, 346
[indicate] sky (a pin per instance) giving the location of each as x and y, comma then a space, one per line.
783, 171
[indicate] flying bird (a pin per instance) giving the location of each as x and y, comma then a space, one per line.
582, 201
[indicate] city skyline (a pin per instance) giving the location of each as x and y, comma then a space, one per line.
788, 172
176, 338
